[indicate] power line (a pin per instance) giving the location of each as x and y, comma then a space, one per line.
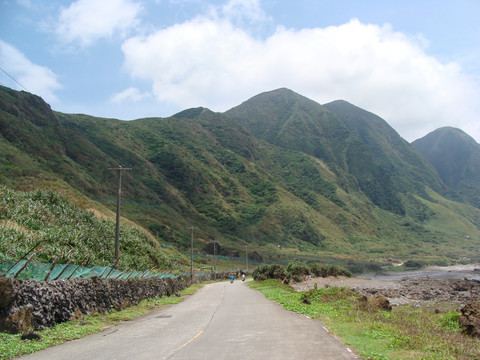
11, 77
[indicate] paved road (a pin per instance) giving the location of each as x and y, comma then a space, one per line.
221, 321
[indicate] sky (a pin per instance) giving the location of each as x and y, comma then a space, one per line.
414, 63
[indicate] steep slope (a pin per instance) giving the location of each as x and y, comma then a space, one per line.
408, 170
352, 141
195, 167
206, 169
456, 157
289, 120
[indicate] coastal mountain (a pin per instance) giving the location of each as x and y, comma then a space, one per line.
456, 157
278, 174
349, 139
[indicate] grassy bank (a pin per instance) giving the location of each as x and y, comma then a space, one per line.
12, 345
65, 232
428, 332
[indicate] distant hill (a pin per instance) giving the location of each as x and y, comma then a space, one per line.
279, 174
456, 157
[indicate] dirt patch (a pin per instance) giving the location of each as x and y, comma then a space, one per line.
404, 291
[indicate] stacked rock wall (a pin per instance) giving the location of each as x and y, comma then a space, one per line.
28, 304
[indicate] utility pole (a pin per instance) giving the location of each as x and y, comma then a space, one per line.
215, 260
119, 169
246, 257
191, 251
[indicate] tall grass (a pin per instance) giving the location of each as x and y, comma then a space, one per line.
68, 233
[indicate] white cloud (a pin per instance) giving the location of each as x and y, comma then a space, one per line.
209, 61
241, 12
37, 79
86, 21
131, 94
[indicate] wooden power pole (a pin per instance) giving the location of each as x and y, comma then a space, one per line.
215, 261
119, 169
191, 251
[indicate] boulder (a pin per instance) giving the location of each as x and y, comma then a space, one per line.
7, 294
19, 320
470, 319
379, 302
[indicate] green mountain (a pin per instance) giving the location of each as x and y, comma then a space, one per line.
353, 142
279, 174
456, 157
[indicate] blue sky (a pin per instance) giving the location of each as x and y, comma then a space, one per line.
414, 63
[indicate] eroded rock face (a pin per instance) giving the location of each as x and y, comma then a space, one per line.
470, 319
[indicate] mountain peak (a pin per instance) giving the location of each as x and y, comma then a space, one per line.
452, 133
455, 155
190, 113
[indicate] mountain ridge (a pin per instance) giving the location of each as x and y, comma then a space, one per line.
206, 168
456, 157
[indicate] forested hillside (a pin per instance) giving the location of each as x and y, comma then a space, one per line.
456, 157
279, 174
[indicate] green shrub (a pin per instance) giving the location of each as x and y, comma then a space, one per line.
356, 268
414, 264
296, 270
265, 272
373, 267
328, 270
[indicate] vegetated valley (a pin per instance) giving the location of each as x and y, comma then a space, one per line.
279, 175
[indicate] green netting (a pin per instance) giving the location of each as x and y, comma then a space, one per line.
42, 271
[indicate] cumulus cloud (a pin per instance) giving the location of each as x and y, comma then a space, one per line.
131, 94
37, 79
86, 21
210, 61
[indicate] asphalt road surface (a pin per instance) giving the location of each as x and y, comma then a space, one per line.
221, 321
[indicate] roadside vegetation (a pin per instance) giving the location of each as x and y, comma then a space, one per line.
296, 271
66, 232
12, 345
427, 332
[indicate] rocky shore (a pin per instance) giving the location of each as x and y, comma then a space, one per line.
454, 284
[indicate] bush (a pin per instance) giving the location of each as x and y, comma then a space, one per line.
356, 268
296, 270
265, 272
329, 270
414, 264
373, 267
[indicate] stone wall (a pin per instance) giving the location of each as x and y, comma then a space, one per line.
28, 304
